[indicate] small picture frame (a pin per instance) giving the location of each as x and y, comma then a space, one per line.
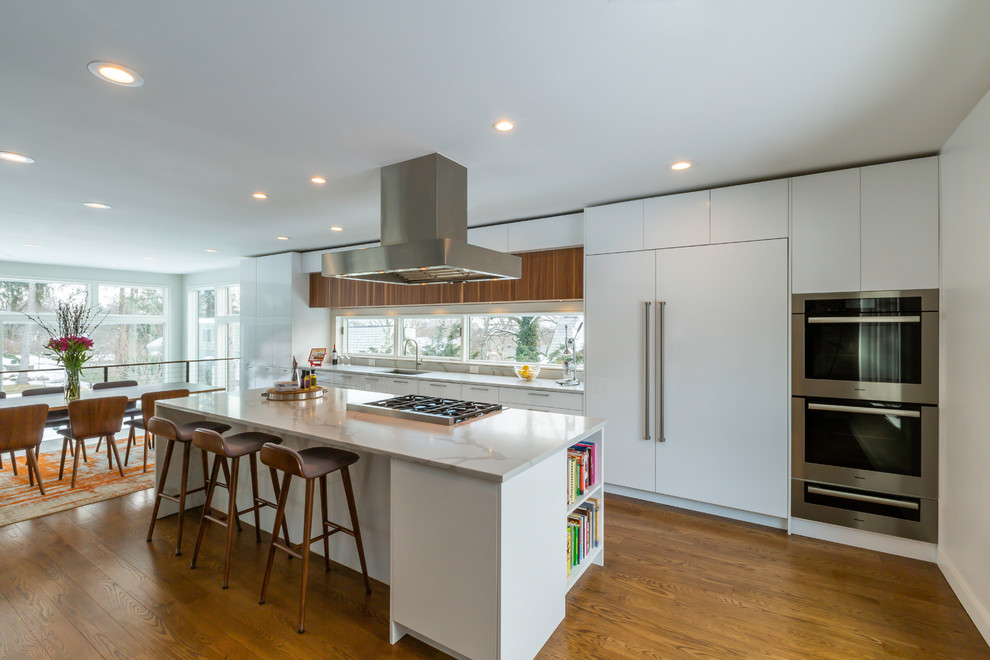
316, 356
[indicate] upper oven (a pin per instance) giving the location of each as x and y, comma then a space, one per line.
879, 346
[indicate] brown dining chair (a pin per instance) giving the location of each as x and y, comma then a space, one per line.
147, 411
131, 411
22, 428
93, 418
56, 418
3, 395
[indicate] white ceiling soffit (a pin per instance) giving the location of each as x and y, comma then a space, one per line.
255, 95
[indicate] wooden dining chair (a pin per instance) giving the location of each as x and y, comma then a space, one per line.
3, 395
130, 412
147, 412
22, 428
93, 418
56, 418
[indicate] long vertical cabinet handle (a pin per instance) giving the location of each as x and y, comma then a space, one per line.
646, 381
661, 306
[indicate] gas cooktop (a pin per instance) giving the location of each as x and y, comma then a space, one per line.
428, 409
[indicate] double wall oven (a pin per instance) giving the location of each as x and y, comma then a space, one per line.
864, 411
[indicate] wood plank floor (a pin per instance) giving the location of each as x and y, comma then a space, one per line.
85, 584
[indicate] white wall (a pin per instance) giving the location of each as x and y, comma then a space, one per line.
176, 301
964, 534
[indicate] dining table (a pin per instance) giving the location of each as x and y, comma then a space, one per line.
132, 392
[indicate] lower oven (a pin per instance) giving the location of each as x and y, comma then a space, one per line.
872, 446
896, 515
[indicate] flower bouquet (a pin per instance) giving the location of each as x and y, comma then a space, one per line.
68, 343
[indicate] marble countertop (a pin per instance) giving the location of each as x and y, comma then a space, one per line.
545, 384
496, 447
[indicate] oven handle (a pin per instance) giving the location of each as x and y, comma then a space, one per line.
866, 411
864, 319
873, 499
646, 382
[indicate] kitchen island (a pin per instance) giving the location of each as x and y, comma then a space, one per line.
466, 523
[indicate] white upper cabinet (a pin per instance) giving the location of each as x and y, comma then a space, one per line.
614, 228
677, 220
562, 231
900, 225
752, 212
495, 237
825, 232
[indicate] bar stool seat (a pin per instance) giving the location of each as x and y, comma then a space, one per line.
181, 433
234, 447
311, 464
147, 410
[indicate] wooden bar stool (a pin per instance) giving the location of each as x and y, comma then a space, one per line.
181, 433
234, 447
93, 418
311, 464
147, 411
22, 428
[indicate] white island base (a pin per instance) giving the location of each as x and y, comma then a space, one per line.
465, 523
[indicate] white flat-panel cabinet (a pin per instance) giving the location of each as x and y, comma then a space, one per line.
401, 386
562, 231
617, 289
900, 225
493, 238
483, 393
825, 232
677, 220
724, 369
752, 212
445, 390
614, 228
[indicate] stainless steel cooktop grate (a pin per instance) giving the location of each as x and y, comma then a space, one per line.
427, 409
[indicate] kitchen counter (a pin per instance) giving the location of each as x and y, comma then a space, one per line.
547, 384
466, 523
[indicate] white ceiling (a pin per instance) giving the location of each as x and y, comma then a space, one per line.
253, 95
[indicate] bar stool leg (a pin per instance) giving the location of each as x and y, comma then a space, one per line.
226, 477
254, 495
186, 449
285, 526
326, 517
169, 447
279, 519
206, 510
349, 493
231, 516
304, 550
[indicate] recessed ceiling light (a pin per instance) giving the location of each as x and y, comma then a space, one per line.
116, 74
681, 165
4, 256
503, 125
318, 179
149, 258
335, 228
31, 245
260, 195
282, 238
210, 250
96, 205
15, 158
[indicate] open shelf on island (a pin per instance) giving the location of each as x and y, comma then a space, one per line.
578, 571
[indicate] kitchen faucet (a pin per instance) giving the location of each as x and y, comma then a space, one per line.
416, 344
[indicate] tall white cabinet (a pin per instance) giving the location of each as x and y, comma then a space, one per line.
276, 320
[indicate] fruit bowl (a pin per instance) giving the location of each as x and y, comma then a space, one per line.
527, 371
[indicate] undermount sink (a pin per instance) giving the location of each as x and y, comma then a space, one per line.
403, 372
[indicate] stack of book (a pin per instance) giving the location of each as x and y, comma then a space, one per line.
582, 532
580, 469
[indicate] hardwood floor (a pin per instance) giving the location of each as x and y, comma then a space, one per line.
85, 584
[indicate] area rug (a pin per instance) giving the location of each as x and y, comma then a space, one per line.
94, 482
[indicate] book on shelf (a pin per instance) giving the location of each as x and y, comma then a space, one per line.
583, 535
581, 474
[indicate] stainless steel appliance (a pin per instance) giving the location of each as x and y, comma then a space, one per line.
423, 231
887, 447
878, 346
427, 409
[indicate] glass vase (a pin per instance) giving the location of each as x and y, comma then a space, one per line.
72, 383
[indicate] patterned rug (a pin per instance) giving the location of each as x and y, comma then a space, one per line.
94, 482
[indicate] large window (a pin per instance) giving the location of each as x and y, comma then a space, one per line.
530, 337
133, 329
216, 333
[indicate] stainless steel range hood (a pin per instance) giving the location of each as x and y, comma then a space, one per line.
424, 232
